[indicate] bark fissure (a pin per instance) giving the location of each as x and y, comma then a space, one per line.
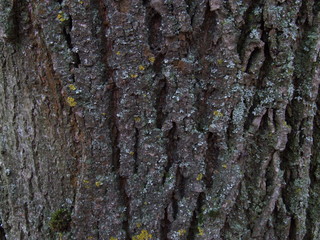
249, 22
136, 158
114, 129
2, 232
211, 158
171, 148
195, 226
165, 226
161, 94
126, 203
155, 38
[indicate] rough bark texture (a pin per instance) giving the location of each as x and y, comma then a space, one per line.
160, 119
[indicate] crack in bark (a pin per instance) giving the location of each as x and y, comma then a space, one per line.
161, 93
155, 38
165, 226
179, 191
207, 34
260, 224
266, 64
135, 150
26, 217
196, 220
211, 158
249, 19
126, 202
2, 232
171, 147
292, 229
114, 130
75, 56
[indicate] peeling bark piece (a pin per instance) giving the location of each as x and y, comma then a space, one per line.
214, 4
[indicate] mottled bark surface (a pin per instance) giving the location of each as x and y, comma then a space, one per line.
160, 119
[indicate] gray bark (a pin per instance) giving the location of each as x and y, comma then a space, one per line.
159, 119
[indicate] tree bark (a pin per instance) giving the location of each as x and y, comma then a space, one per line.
159, 119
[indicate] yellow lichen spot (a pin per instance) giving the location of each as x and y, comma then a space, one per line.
133, 75
217, 113
72, 87
145, 203
137, 119
286, 124
81, 2
85, 181
90, 237
144, 95
113, 238
118, 53
141, 68
201, 232
199, 177
98, 183
104, 114
71, 101
144, 235
138, 225
224, 166
62, 16
219, 61
152, 59
182, 232
131, 153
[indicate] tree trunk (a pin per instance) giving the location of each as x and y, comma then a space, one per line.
160, 119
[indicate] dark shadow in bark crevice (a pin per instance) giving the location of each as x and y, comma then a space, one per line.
253, 59
211, 159
171, 149
126, 202
197, 218
266, 65
180, 188
161, 93
292, 229
135, 151
250, 19
2, 232
205, 37
153, 22
250, 117
114, 130
191, 6
165, 226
